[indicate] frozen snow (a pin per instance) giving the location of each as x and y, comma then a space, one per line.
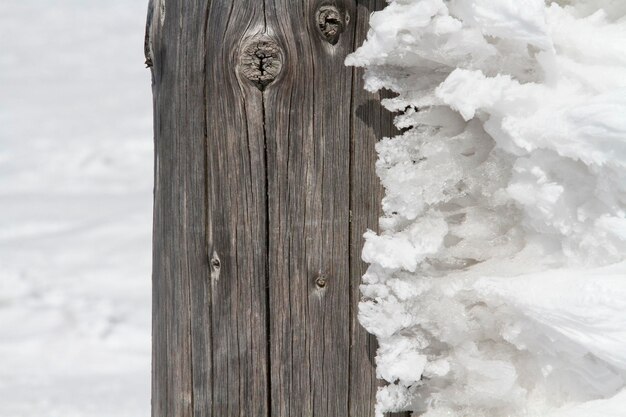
497, 285
75, 209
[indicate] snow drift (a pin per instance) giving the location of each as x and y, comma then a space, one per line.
497, 286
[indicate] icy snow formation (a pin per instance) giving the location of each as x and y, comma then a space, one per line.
497, 285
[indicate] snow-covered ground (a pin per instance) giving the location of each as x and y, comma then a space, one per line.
498, 284
75, 209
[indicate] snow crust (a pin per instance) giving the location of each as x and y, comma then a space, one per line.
497, 285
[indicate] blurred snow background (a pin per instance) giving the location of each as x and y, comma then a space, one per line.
75, 209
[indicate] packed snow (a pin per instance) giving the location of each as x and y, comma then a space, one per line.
497, 285
75, 209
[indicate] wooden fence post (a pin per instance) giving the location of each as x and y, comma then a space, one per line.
264, 185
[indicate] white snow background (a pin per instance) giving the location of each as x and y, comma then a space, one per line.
75, 209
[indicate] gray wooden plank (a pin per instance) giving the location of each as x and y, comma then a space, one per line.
210, 234
237, 220
179, 208
253, 188
308, 136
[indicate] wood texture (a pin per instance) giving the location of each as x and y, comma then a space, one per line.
263, 189
180, 212
308, 138
370, 123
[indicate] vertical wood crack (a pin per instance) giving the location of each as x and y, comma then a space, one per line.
351, 299
208, 239
268, 327
267, 263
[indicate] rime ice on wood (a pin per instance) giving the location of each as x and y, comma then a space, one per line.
497, 284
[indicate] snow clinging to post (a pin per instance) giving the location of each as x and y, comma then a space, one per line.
497, 284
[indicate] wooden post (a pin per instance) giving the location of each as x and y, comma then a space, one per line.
264, 185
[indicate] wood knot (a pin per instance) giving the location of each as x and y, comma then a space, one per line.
261, 62
331, 22
321, 281
216, 266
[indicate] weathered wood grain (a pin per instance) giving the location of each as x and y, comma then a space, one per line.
210, 250
264, 146
370, 123
308, 137
237, 219
179, 207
